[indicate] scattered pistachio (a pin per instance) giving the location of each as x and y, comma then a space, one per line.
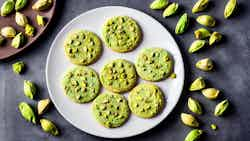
7, 7
42, 106
197, 84
215, 38
49, 127
18, 67
206, 20
158, 4
200, 5
40, 20
194, 135
173, 76
41, 5
182, 24
213, 127
170, 10
29, 89
230, 8
205, 64
221, 108
196, 45
29, 30
210, 93
194, 106
8, 32
2, 40
21, 19
20, 4
202, 33
189, 120
27, 112
18, 41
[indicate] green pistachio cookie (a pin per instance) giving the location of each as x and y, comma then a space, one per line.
110, 110
118, 76
154, 64
121, 33
83, 47
81, 84
146, 100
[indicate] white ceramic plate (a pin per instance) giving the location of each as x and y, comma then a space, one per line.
79, 115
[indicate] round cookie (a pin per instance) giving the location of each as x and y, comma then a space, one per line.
121, 33
111, 110
83, 47
81, 84
146, 100
118, 76
154, 64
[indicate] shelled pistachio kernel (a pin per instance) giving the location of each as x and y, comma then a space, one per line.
29, 89
196, 46
213, 127
158, 4
18, 41
197, 84
206, 20
27, 112
49, 127
202, 33
42, 106
182, 24
230, 8
21, 19
172, 75
194, 106
20, 4
170, 10
215, 38
8, 32
205, 64
221, 108
41, 5
193, 135
210, 93
200, 6
2, 40
29, 30
41, 21
7, 7
189, 120
18, 67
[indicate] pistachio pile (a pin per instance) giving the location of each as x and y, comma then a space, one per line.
203, 37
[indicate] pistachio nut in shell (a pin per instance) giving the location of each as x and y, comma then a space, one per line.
18, 41
197, 45
194, 135
189, 120
194, 106
215, 38
182, 24
200, 6
170, 10
20, 4
202, 33
8, 32
41, 5
221, 108
230, 8
29, 89
210, 93
18, 67
42, 106
49, 127
158, 4
205, 64
7, 7
206, 20
27, 112
197, 84
21, 19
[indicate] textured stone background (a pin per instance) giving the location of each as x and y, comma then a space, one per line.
231, 76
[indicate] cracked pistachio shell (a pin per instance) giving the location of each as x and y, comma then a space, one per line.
182, 24
27, 112
194, 106
210, 93
158, 4
7, 7
189, 120
215, 38
205, 64
21, 19
170, 10
193, 135
42, 106
49, 127
29, 30
40, 20
221, 108
41, 5
230, 8
8, 32
196, 45
202, 33
29, 89
18, 67
20, 4
2, 40
213, 127
197, 84
206, 20
18, 40
200, 6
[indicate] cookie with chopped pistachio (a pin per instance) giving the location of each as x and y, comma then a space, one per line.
83, 47
121, 33
146, 100
81, 84
110, 110
154, 64
118, 76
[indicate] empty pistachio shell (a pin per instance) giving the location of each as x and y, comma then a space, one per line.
182, 24
40, 20
8, 32
27, 112
206, 20
7, 7
2, 40
221, 108
42, 106
194, 135
49, 127
230, 8
29, 30
189, 120
196, 45
197, 84
210, 93
18, 41
215, 38
20, 4
158, 4
202, 33
200, 5
213, 126
18, 67
29, 89
194, 106
205, 64
21, 19
170, 10
41, 5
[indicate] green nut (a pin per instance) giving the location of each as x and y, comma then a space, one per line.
158, 4
27, 112
221, 108
200, 6
18, 67
173, 75
8, 32
21, 19
170, 10
29, 89
2, 40
194, 106
29, 30
49, 127
196, 45
7, 7
197, 84
205, 64
206, 20
230, 8
41, 5
18, 41
182, 24
213, 127
20, 4
215, 38
202, 33
194, 135
210, 93
41, 21
42, 106
189, 120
